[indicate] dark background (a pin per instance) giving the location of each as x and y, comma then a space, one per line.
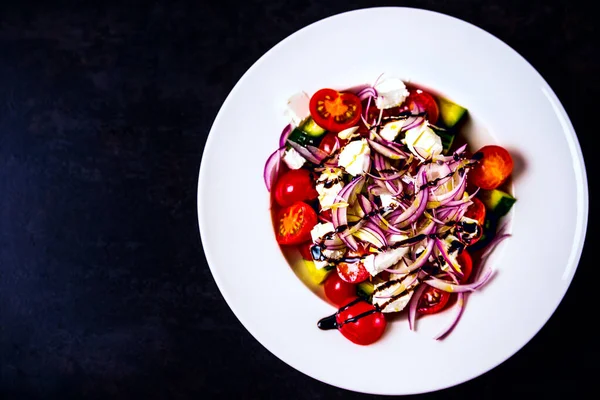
104, 112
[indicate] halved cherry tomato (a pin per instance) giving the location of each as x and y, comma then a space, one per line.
328, 142
305, 252
466, 265
354, 272
492, 170
432, 301
335, 111
325, 215
337, 291
364, 330
294, 223
295, 185
476, 211
426, 101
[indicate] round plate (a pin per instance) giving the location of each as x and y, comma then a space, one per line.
506, 96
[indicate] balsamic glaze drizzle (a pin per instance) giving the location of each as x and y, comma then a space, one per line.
330, 322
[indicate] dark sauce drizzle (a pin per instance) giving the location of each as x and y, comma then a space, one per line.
330, 322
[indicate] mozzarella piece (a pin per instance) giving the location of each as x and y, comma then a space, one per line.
399, 304
348, 133
293, 159
403, 288
391, 92
320, 230
375, 263
298, 108
328, 195
391, 130
425, 139
354, 157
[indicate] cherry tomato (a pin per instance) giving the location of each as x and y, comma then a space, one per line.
354, 272
294, 223
305, 252
423, 100
295, 185
337, 291
365, 330
476, 211
325, 216
328, 142
492, 170
335, 111
432, 301
466, 265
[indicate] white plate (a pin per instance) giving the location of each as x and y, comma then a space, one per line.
518, 110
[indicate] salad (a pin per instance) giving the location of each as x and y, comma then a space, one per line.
390, 211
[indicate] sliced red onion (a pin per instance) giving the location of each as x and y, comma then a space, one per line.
449, 196
416, 209
317, 152
385, 225
377, 190
390, 177
303, 151
370, 235
271, 170
386, 151
412, 122
365, 205
458, 310
419, 262
460, 202
339, 215
452, 287
452, 263
412, 306
284, 135
366, 93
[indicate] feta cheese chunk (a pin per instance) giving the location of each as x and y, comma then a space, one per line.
394, 297
320, 230
425, 140
387, 200
348, 133
293, 159
328, 195
391, 130
391, 92
375, 263
355, 157
297, 108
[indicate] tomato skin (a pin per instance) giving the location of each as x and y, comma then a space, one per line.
432, 301
295, 185
338, 291
365, 330
335, 111
294, 223
354, 272
328, 142
476, 211
493, 169
426, 101
466, 265
305, 252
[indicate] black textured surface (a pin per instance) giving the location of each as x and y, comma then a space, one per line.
104, 111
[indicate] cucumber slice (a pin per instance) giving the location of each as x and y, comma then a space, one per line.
303, 139
365, 289
314, 275
447, 139
311, 128
450, 113
497, 201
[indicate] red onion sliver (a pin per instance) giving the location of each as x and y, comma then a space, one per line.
459, 307
452, 288
284, 135
386, 151
303, 151
452, 263
419, 262
412, 306
271, 170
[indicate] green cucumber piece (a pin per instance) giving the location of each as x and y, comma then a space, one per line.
311, 128
450, 113
447, 139
497, 201
365, 289
303, 139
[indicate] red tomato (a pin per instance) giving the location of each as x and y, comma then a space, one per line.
328, 142
365, 330
476, 211
432, 301
294, 223
425, 101
325, 216
466, 265
304, 249
354, 272
337, 291
295, 185
335, 111
495, 166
